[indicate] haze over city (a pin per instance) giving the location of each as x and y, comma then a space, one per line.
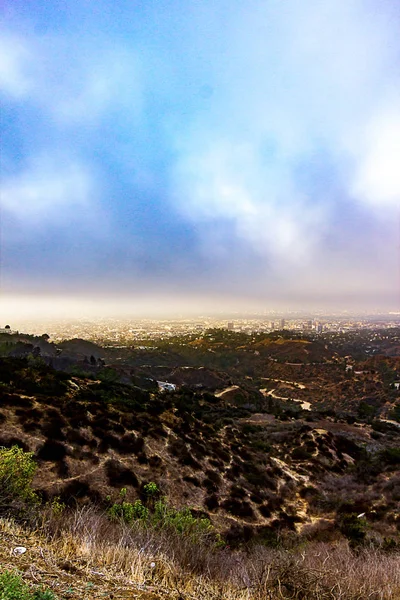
182, 158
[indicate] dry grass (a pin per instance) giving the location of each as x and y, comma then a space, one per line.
81, 554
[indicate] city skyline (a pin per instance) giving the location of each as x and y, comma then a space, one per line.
196, 157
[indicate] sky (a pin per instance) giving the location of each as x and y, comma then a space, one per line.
181, 155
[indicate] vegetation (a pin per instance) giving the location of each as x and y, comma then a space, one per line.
148, 557
158, 514
17, 469
222, 488
12, 587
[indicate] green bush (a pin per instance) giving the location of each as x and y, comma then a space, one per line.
17, 469
108, 375
158, 514
43, 595
128, 512
354, 528
366, 410
12, 587
151, 489
182, 521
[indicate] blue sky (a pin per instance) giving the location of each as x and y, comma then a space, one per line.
202, 154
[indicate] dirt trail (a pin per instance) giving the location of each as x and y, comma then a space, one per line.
304, 405
301, 386
68, 479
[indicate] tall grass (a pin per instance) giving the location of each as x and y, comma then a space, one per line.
170, 549
166, 559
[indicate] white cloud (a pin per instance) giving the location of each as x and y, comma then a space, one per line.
14, 58
72, 86
294, 82
109, 81
72, 82
377, 176
231, 183
49, 191
301, 100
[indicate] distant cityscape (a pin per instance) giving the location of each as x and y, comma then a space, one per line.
127, 332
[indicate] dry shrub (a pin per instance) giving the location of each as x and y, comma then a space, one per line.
119, 475
52, 450
326, 572
335, 491
130, 550
212, 502
391, 489
322, 530
131, 444
239, 508
319, 571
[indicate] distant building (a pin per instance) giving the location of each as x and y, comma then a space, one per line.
165, 386
272, 325
282, 323
7, 329
230, 326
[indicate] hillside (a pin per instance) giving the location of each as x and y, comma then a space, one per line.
234, 444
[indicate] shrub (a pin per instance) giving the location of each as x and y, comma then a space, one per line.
237, 491
182, 521
12, 587
52, 450
265, 511
151, 489
238, 508
366, 410
43, 595
301, 453
78, 489
193, 480
128, 512
17, 469
57, 506
212, 502
131, 444
118, 474
384, 427
390, 456
395, 414
354, 528
108, 375
262, 446
159, 514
